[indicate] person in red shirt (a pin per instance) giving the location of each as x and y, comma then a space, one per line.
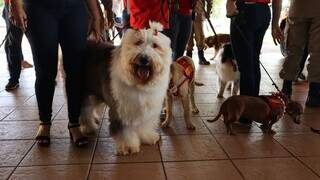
249, 22
138, 13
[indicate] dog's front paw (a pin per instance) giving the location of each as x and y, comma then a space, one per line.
190, 126
124, 150
195, 111
150, 138
220, 96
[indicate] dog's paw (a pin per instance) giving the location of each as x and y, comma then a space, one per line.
190, 126
150, 138
220, 96
124, 150
195, 111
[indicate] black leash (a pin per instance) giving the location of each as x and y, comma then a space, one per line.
248, 43
5, 38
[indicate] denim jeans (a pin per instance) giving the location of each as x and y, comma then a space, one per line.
247, 31
50, 23
181, 26
13, 47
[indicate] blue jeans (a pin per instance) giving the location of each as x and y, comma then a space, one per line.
53, 22
247, 31
181, 26
13, 47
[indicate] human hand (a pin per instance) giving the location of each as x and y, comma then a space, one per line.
17, 14
231, 7
96, 31
277, 34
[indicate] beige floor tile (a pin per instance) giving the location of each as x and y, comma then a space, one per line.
195, 147
13, 151
12, 101
313, 163
219, 127
202, 170
274, 169
5, 111
301, 144
106, 153
60, 151
19, 92
28, 113
18, 129
178, 127
287, 125
78, 172
141, 171
251, 146
5, 172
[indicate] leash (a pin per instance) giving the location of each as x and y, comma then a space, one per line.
248, 43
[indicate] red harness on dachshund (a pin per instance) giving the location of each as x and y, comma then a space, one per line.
188, 74
276, 104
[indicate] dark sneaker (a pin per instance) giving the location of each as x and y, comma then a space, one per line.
313, 99
313, 102
11, 86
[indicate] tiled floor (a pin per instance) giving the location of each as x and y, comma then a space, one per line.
293, 152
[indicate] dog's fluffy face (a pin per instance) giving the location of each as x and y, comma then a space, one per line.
145, 55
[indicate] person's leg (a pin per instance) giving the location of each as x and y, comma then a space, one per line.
242, 45
13, 51
295, 46
190, 42
183, 35
313, 67
42, 33
199, 36
72, 37
264, 15
175, 22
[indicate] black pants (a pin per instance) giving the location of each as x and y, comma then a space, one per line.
13, 47
51, 23
247, 32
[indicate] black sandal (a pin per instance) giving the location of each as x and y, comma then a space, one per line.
43, 140
82, 141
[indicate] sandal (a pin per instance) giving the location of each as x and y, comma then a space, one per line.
43, 135
81, 141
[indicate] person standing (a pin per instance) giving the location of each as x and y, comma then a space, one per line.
303, 30
180, 25
249, 21
13, 50
202, 10
48, 23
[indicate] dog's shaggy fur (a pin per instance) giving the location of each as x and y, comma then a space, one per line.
227, 71
185, 92
257, 109
132, 80
217, 41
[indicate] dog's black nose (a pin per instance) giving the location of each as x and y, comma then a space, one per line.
144, 61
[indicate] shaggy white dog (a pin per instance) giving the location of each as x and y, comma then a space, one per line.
227, 71
132, 79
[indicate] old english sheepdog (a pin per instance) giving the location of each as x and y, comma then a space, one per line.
132, 80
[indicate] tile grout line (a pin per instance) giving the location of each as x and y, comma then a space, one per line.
296, 157
15, 107
234, 165
161, 158
21, 160
95, 145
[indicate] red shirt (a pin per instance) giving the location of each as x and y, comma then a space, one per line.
185, 7
258, 1
143, 11
6, 1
